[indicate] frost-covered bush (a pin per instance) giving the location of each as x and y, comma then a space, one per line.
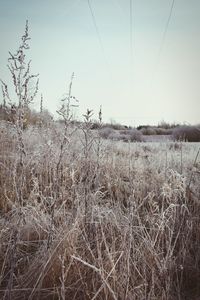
187, 133
135, 135
148, 131
106, 132
132, 135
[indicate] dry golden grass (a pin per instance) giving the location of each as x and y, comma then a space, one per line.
109, 221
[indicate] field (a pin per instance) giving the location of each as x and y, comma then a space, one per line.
87, 218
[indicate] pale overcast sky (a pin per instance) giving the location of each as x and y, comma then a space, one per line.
139, 86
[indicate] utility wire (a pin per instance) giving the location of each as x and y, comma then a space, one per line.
131, 30
165, 32
152, 80
157, 63
131, 46
97, 32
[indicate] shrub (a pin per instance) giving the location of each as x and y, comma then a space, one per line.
115, 136
163, 131
132, 135
30, 117
148, 131
187, 133
156, 130
106, 132
135, 135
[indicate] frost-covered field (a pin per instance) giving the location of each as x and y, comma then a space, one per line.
86, 218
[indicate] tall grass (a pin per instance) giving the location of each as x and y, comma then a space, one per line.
137, 237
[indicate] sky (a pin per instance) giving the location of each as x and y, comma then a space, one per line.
124, 60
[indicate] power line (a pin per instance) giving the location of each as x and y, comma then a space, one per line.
165, 32
97, 31
131, 30
162, 43
131, 45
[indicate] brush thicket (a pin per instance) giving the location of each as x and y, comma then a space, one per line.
136, 237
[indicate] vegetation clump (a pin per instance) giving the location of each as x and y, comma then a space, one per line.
187, 133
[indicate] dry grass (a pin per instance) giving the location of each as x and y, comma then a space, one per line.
118, 222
